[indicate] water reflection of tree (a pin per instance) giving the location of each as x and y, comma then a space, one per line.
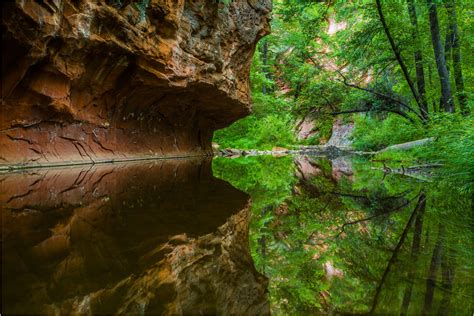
438, 276
419, 209
382, 235
415, 251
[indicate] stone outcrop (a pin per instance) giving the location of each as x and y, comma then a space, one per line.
305, 128
341, 134
162, 237
90, 80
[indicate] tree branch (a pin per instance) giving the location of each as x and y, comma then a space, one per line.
402, 114
406, 106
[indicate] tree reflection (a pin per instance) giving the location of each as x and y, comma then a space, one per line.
356, 241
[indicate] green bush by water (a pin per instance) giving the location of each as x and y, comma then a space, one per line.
269, 125
371, 134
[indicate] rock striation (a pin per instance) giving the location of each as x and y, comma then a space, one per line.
91, 81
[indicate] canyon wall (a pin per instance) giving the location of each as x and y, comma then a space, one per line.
92, 81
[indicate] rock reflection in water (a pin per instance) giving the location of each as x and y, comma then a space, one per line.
155, 237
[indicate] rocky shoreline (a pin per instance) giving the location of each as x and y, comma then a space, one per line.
329, 151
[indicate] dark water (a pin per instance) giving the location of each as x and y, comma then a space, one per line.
288, 235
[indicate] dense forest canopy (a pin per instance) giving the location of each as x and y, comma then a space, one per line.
401, 70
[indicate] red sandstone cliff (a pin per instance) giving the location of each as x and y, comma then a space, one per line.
95, 80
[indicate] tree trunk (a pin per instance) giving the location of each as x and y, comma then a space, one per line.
430, 79
415, 250
262, 241
440, 57
434, 266
448, 44
456, 55
447, 267
420, 75
297, 91
265, 64
419, 206
397, 54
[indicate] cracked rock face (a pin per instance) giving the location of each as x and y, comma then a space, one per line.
162, 237
99, 80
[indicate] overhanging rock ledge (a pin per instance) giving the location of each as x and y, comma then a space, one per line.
92, 81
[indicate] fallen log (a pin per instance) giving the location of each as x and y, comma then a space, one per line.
408, 145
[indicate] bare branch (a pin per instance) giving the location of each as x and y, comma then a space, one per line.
406, 106
402, 114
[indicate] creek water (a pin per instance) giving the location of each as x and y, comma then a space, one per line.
251, 235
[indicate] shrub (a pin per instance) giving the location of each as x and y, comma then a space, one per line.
374, 134
454, 148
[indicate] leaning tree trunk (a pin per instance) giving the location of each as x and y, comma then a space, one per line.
439, 53
420, 75
456, 54
419, 207
397, 54
265, 65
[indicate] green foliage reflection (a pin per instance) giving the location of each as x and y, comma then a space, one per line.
345, 241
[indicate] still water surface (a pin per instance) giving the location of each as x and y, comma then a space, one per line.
257, 235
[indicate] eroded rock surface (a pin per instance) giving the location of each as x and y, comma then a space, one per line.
158, 237
341, 134
98, 80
